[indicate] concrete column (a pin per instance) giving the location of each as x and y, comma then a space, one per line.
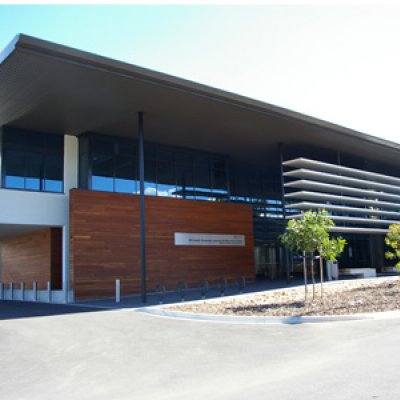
70, 182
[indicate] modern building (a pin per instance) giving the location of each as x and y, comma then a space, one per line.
111, 171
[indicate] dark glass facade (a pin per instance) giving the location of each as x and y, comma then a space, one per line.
32, 160
110, 163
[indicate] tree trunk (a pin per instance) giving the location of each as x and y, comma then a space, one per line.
312, 275
321, 272
305, 277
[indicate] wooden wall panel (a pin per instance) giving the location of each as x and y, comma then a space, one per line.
105, 242
29, 257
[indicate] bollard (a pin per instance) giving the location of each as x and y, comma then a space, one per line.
22, 290
1, 291
48, 292
11, 286
34, 288
117, 290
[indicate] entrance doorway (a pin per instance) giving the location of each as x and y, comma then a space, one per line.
266, 261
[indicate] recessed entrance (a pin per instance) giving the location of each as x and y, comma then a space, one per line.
31, 256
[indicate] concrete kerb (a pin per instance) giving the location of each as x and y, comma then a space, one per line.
163, 311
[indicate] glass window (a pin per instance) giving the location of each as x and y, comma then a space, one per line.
126, 148
219, 179
102, 145
102, 183
150, 186
125, 174
184, 179
202, 178
112, 165
102, 172
34, 140
13, 138
183, 158
149, 151
32, 160
33, 171
53, 143
108, 163
14, 169
166, 176
53, 173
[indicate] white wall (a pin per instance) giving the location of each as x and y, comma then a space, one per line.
21, 207
33, 208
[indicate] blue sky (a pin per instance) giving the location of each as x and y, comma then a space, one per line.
338, 63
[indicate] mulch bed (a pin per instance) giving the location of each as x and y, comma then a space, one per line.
340, 298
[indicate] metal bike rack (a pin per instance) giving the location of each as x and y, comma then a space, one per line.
182, 288
160, 291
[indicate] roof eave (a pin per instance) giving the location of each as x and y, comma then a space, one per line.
68, 54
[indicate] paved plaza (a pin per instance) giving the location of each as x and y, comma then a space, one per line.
67, 352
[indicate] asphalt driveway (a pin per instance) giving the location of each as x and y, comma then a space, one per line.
122, 354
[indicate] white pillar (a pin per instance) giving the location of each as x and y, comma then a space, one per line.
48, 291
70, 163
70, 182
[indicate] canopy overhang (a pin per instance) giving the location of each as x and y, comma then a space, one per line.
53, 88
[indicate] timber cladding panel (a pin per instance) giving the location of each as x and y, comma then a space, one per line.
32, 257
105, 242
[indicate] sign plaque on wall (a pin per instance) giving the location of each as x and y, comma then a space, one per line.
208, 239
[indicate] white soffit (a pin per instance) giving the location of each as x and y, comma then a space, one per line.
331, 188
351, 210
354, 220
338, 169
331, 198
342, 180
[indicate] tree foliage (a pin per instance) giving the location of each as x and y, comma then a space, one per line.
310, 234
392, 240
330, 248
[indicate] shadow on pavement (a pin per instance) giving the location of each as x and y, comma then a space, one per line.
19, 309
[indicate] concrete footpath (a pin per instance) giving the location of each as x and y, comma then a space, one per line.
80, 353
86, 352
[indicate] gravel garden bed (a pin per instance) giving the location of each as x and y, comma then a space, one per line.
340, 298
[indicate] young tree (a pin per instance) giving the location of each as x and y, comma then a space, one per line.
392, 240
329, 249
305, 235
